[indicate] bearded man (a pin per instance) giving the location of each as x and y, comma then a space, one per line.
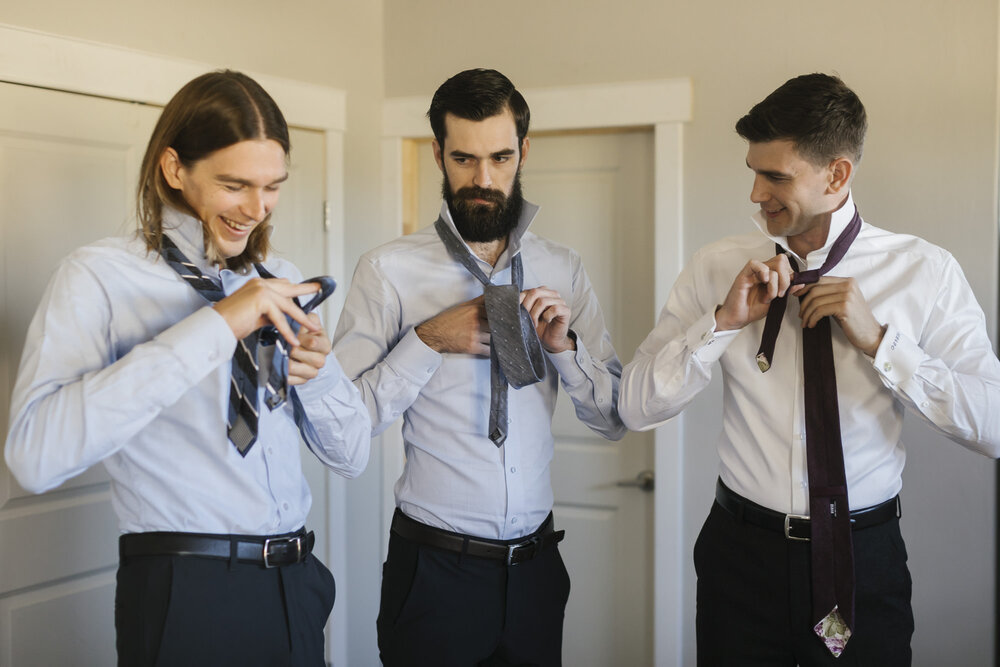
432, 331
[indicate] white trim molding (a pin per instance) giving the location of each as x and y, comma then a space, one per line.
633, 104
664, 105
75, 65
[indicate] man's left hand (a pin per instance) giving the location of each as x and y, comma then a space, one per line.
551, 317
305, 360
841, 298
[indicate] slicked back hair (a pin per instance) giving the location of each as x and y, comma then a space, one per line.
478, 94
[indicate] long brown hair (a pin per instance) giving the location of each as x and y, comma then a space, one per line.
209, 113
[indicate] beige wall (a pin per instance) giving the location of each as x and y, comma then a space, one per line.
927, 73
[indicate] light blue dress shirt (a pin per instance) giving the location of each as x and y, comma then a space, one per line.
455, 478
126, 364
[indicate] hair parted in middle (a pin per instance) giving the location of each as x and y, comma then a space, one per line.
818, 113
477, 94
211, 112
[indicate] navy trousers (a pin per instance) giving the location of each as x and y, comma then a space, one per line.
754, 605
440, 608
189, 610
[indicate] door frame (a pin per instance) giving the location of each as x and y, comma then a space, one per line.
665, 105
69, 64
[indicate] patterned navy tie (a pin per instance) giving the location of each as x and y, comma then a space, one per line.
515, 352
831, 548
243, 412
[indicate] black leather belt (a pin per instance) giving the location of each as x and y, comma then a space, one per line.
511, 552
271, 551
796, 526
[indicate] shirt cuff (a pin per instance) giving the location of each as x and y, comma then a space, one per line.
897, 357
201, 342
324, 383
705, 342
570, 364
412, 359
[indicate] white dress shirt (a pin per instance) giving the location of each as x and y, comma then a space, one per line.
935, 358
126, 364
455, 477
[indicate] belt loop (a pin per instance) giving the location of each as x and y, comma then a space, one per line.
465, 549
899, 507
233, 551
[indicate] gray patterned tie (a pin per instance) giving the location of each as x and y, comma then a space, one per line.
515, 352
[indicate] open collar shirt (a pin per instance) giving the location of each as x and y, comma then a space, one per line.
935, 359
455, 478
126, 364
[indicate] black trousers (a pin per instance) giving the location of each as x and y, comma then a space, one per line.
754, 603
189, 610
440, 608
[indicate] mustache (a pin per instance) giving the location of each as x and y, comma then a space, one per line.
475, 192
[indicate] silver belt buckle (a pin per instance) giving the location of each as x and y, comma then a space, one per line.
287, 540
513, 547
788, 526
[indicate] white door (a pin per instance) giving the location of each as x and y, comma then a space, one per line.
68, 170
596, 194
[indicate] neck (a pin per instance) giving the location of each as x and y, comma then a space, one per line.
812, 239
489, 251
815, 237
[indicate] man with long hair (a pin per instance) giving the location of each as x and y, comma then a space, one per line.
180, 358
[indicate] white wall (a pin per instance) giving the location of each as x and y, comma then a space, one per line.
927, 73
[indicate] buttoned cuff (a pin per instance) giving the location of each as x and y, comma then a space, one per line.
201, 342
705, 342
412, 359
897, 357
570, 364
325, 382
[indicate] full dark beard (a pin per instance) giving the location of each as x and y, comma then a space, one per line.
481, 223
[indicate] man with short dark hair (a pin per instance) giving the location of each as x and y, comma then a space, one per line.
800, 560
440, 327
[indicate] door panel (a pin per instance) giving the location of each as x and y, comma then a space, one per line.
68, 166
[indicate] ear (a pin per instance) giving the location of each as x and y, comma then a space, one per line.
841, 171
437, 155
170, 166
525, 145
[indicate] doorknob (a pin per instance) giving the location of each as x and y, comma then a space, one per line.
645, 480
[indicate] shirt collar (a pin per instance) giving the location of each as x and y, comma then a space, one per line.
528, 213
841, 218
189, 235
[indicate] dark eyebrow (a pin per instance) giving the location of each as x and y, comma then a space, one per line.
242, 181
507, 152
768, 174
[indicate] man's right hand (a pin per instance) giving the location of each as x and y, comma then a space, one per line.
266, 301
754, 288
462, 328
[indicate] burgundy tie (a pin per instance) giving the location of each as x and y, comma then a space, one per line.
831, 550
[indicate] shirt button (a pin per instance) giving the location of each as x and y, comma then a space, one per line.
285, 506
600, 400
925, 404
509, 420
513, 469
887, 367
514, 520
